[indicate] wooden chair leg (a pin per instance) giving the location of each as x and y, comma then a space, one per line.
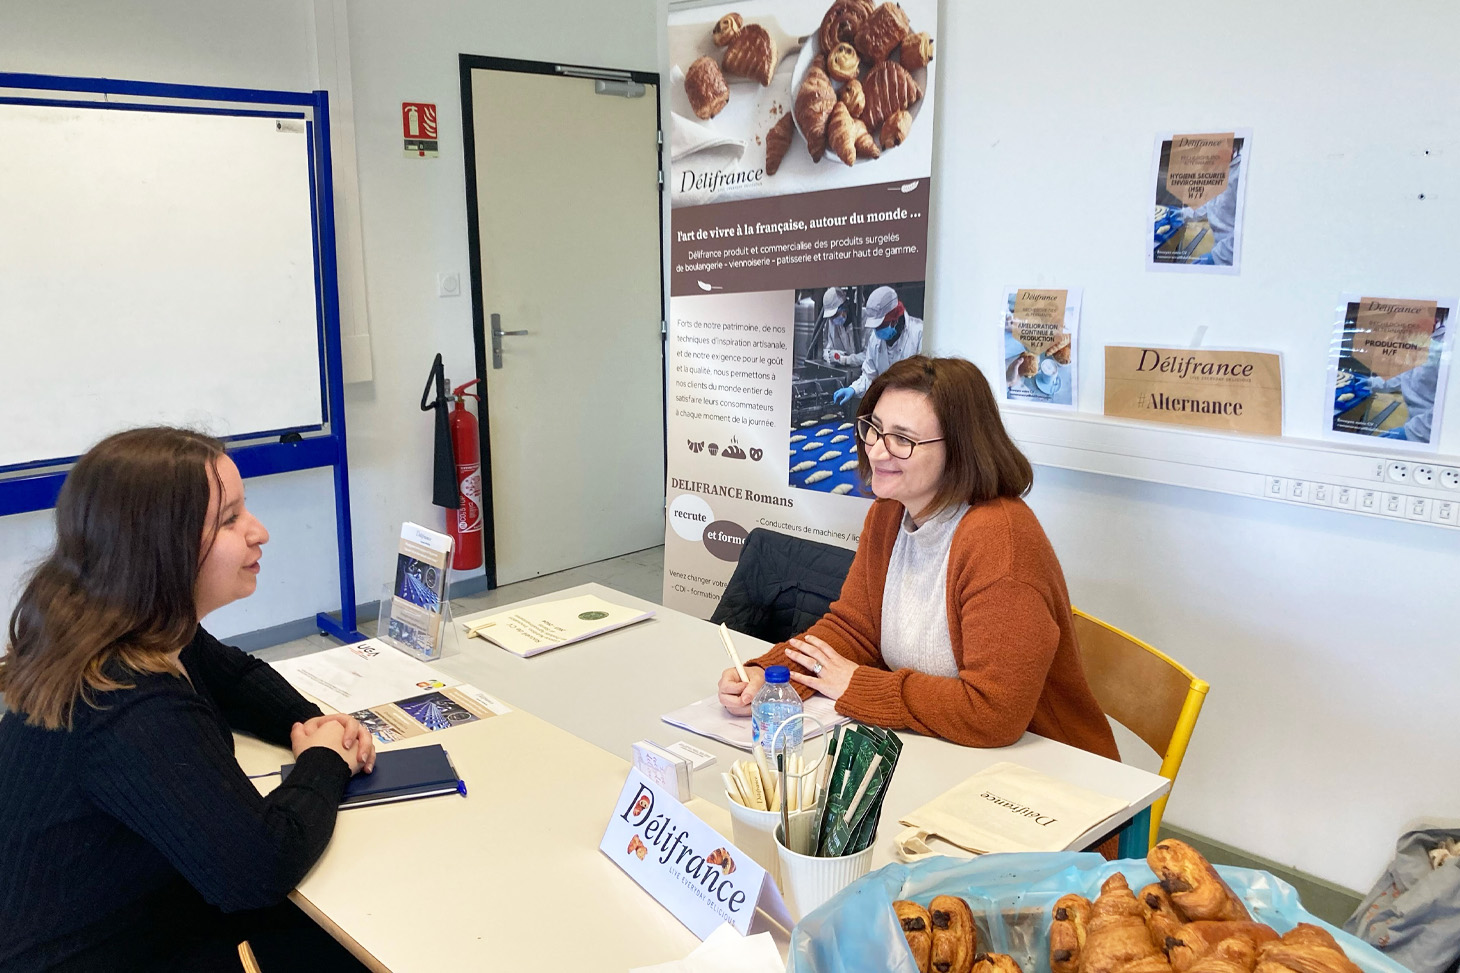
246, 957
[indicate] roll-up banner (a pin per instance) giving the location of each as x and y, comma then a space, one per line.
801, 153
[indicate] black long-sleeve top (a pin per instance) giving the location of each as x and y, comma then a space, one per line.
136, 827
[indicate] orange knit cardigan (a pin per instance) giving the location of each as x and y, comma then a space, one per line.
1012, 632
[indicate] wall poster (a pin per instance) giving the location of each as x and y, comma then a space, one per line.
1388, 366
801, 147
1200, 192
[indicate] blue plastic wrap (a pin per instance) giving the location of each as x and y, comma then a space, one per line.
1011, 896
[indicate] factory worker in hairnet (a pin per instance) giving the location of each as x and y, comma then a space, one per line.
895, 335
1220, 212
834, 311
1418, 387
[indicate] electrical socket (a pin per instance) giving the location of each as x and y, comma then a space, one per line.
1424, 475
1398, 472
1450, 479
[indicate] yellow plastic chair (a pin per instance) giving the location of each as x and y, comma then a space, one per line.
1147, 692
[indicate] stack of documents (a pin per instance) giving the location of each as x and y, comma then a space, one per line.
527, 630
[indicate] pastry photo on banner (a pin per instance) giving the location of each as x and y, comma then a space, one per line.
774, 97
1040, 342
1388, 366
1200, 182
845, 336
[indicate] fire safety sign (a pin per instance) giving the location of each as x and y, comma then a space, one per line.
418, 124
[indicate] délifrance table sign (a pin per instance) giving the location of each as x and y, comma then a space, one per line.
688, 867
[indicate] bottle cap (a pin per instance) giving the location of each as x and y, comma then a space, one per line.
774, 674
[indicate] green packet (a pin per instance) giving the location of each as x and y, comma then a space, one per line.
855, 747
857, 827
871, 768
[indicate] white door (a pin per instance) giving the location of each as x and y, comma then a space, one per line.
568, 222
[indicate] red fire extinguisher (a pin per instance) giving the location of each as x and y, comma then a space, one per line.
464, 524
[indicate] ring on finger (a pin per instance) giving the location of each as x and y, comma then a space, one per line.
816, 669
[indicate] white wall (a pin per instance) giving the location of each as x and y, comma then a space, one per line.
413, 214
1328, 639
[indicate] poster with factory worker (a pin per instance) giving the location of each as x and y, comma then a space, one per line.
1200, 191
1388, 365
800, 174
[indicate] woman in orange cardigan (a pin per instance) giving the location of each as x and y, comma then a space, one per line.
954, 620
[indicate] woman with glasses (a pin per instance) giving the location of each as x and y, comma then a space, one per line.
954, 620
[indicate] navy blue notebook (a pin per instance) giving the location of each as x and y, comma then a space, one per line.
401, 775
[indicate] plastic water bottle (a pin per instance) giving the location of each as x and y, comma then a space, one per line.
776, 703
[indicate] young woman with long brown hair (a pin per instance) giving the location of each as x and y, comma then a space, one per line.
954, 620
131, 840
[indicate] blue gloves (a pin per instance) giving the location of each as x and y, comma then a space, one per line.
842, 396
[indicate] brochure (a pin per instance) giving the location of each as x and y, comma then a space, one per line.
418, 596
359, 676
423, 713
529, 629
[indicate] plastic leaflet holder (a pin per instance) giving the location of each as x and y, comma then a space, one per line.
415, 608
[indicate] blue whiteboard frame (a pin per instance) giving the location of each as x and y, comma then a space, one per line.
310, 449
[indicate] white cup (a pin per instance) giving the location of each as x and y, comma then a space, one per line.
754, 833
806, 882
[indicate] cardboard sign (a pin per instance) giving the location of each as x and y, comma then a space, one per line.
1232, 391
686, 865
418, 126
1198, 167
1393, 336
1039, 318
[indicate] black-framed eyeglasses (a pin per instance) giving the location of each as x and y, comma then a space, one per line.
897, 444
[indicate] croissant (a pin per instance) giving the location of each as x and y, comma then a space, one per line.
842, 21
1116, 940
1195, 887
777, 142
1060, 350
1189, 944
814, 103
895, 129
889, 88
752, 54
1028, 365
882, 32
853, 97
726, 29
917, 928
843, 63
1236, 954
1067, 933
1305, 949
917, 51
706, 88
955, 941
848, 137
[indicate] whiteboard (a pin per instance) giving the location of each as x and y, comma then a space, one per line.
1043, 179
155, 267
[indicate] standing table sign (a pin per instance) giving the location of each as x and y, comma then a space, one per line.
687, 866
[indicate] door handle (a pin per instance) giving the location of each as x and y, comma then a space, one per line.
497, 335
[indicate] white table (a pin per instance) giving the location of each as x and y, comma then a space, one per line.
511, 878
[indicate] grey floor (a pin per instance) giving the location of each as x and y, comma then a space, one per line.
640, 574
